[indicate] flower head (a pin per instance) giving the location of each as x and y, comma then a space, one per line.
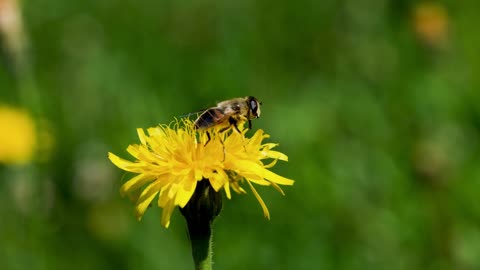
17, 136
172, 159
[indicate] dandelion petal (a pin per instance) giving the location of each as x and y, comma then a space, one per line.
143, 204
135, 183
262, 203
185, 193
142, 136
227, 190
126, 165
277, 155
277, 178
167, 213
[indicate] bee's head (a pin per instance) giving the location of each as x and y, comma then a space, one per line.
254, 106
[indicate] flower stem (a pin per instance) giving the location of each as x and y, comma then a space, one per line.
201, 240
200, 211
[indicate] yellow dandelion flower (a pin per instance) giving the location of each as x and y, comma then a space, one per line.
18, 136
172, 159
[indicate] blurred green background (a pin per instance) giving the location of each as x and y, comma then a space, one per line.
375, 102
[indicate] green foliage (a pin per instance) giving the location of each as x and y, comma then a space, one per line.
375, 103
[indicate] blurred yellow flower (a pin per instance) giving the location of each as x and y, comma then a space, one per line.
171, 159
431, 23
18, 138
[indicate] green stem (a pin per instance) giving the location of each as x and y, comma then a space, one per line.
201, 240
200, 211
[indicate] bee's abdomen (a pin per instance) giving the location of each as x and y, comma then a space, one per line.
209, 118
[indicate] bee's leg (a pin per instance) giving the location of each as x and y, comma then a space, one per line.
224, 129
208, 138
220, 139
234, 122
249, 124
224, 150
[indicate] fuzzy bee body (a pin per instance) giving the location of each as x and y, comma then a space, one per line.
229, 112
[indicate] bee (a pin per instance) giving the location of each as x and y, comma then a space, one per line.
229, 113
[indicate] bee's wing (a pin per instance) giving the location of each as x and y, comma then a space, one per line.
188, 115
210, 117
